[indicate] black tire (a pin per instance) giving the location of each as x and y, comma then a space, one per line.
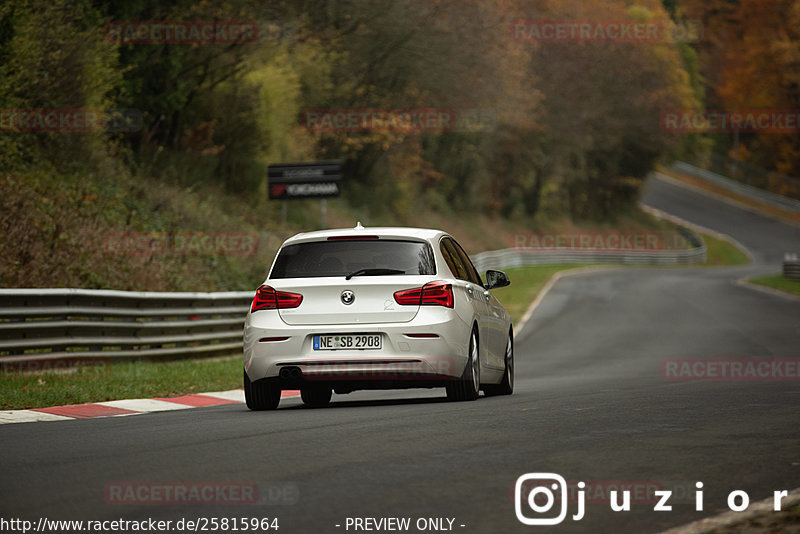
506, 386
261, 394
468, 386
316, 396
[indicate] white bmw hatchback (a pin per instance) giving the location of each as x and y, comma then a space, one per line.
377, 308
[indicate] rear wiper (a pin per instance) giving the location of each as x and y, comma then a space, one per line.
373, 272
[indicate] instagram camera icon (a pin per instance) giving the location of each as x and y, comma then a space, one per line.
554, 483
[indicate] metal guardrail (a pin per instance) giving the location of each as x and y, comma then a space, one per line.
748, 174
66, 324
791, 267
80, 324
774, 199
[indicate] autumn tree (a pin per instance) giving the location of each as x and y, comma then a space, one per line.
750, 58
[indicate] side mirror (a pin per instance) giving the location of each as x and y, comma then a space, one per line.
495, 279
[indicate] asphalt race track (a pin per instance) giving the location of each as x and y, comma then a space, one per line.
590, 404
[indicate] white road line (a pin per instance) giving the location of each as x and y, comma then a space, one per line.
549, 285
696, 227
518, 328
744, 282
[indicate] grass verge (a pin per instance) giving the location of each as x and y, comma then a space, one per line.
124, 380
721, 253
777, 281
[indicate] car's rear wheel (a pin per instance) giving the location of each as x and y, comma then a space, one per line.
468, 386
506, 386
262, 394
316, 396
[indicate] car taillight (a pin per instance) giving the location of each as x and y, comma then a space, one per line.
268, 299
431, 294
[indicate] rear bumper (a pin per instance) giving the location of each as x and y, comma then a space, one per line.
402, 360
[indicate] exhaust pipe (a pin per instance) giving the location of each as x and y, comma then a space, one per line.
290, 373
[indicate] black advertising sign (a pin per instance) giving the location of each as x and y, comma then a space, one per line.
304, 180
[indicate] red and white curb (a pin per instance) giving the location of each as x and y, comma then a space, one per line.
117, 408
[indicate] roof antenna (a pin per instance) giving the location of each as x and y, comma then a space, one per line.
358, 226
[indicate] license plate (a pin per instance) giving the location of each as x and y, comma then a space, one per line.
348, 342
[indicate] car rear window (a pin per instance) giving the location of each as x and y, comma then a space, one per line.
340, 258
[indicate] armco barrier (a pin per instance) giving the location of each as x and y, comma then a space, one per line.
64, 324
755, 193
58, 324
791, 267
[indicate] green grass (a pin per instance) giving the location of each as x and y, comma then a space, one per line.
124, 380
723, 253
777, 281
